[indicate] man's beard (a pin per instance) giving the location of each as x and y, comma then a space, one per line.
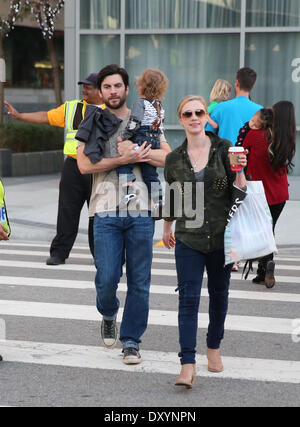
120, 104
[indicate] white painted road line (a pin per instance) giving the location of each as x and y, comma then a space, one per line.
156, 317
8, 251
154, 289
38, 245
153, 362
170, 260
91, 268
162, 251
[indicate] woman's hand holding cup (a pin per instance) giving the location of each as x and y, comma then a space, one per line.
238, 158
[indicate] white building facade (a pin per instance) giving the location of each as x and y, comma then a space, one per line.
194, 42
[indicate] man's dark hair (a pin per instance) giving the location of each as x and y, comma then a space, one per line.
246, 78
109, 70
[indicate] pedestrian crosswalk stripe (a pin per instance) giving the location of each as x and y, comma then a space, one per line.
156, 317
91, 268
40, 253
169, 260
37, 245
70, 267
154, 289
153, 362
168, 252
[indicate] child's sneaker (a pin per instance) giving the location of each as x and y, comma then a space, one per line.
130, 194
157, 210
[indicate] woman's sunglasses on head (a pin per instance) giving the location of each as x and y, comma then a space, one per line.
188, 114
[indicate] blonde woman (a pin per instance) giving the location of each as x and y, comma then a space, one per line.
220, 92
201, 158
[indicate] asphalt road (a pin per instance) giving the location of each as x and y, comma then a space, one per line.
53, 355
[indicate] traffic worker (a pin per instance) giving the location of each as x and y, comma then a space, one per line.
4, 224
74, 188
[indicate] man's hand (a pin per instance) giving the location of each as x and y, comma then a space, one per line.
129, 155
3, 233
12, 111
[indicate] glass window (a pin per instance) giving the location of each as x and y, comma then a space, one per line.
160, 14
273, 13
98, 51
276, 59
33, 69
192, 63
100, 14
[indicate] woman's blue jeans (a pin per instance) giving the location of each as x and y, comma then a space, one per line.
116, 239
190, 266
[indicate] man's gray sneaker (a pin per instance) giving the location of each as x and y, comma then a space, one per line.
109, 332
131, 356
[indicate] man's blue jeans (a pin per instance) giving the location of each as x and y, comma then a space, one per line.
190, 266
116, 239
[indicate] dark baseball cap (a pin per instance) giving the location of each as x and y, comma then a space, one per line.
90, 80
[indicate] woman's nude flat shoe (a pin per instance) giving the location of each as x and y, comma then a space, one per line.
214, 360
187, 376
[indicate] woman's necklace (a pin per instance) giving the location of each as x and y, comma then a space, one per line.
193, 161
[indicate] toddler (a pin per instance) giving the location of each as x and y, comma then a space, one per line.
145, 124
262, 119
220, 92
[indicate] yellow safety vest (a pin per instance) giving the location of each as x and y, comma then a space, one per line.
70, 147
3, 214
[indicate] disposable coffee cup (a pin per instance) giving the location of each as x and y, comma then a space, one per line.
233, 154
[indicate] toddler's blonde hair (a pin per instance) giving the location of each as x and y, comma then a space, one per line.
221, 91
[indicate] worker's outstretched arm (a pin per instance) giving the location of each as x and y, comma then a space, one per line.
39, 117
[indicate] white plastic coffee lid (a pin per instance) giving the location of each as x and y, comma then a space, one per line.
236, 149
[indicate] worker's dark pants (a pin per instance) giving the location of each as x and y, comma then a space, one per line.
74, 191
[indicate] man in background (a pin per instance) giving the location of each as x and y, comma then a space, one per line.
233, 114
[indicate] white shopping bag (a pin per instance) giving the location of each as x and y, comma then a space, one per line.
249, 234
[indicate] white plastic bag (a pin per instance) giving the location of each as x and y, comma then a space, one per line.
249, 234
